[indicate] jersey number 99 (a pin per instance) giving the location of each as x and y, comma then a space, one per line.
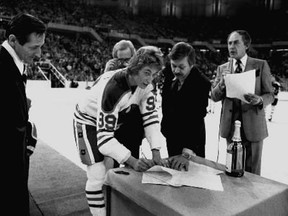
107, 121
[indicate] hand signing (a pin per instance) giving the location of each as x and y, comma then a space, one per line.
143, 164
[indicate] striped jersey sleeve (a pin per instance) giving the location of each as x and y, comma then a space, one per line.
151, 120
115, 96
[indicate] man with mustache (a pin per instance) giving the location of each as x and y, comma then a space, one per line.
184, 106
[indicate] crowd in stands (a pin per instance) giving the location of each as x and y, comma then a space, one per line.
81, 57
77, 57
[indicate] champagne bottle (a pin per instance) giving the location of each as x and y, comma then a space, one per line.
235, 157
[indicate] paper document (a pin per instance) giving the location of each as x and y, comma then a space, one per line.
200, 176
239, 84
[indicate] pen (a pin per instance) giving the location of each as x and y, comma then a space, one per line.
121, 172
143, 155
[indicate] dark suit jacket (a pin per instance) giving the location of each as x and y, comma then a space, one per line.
184, 111
253, 117
14, 127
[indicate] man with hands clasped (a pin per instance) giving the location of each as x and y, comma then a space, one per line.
250, 113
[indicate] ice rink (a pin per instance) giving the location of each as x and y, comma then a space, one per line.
52, 112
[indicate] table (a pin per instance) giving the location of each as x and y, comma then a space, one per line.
249, 195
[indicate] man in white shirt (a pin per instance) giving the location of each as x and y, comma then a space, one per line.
251, 113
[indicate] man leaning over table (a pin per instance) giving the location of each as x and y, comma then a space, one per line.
101, 117
251, 114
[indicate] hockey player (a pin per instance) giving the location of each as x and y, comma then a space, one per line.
101, 119
276, 87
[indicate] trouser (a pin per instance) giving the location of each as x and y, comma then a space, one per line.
129, 134
254, 156
253, 149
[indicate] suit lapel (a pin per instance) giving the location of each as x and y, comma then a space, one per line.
11, 64
249, 64
11, 70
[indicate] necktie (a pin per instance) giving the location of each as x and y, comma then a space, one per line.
24, 75
236, 102
238, 66
175, 85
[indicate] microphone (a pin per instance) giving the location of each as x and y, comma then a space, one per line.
230, 64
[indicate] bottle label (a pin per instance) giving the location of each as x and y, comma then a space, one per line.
228, 162
239, 164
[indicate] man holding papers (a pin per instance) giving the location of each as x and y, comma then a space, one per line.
243, 84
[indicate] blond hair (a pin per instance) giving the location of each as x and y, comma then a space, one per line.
122, 45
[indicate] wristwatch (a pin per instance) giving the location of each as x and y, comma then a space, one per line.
187, 153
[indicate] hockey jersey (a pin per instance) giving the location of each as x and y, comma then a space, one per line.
105, 106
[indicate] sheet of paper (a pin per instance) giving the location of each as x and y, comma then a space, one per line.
239, 84
199, 176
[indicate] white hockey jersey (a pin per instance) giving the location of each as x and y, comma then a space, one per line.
105, 106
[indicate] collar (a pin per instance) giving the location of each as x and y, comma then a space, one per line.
17, 60
243, 62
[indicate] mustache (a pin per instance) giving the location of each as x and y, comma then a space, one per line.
177, 74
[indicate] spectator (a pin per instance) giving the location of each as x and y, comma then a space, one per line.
250, 113
73, 84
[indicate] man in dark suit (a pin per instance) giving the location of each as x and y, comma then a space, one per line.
184, 106
25, 35
250, 113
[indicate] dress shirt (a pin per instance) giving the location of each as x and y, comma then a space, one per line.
17, 60
243, 62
